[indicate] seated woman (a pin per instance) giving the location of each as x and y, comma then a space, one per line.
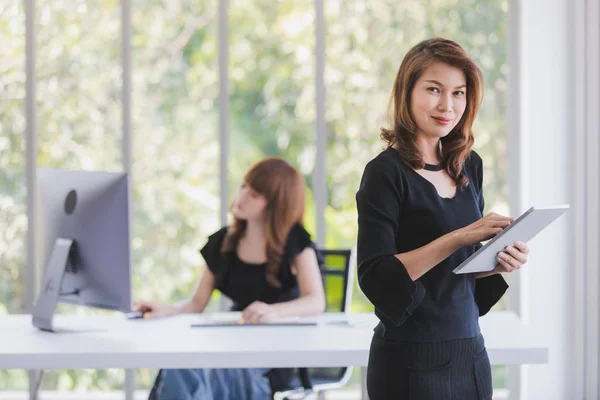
267, 264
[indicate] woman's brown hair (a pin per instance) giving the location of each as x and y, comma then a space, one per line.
283, 187
456, 146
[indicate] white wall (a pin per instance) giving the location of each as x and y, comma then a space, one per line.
548, 284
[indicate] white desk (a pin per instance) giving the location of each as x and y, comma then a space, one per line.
172, 343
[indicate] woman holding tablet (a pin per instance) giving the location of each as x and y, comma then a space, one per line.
420, 206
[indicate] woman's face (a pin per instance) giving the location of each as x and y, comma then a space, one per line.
438, 100
248, 204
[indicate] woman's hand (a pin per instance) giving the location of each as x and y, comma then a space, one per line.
152, 309
483, 229
512, 258
259, 311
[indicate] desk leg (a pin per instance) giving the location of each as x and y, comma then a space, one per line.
35, 380
363, 383
129, 384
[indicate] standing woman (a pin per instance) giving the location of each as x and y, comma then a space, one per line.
420, 206
267, 264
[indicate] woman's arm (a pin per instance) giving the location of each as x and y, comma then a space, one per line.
417, 262
312, 295
197, 303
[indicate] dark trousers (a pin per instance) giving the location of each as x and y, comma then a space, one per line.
450, 370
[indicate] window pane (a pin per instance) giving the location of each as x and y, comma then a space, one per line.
79, 84
78, 68
271, 76
176, 147
13, 184
365, 42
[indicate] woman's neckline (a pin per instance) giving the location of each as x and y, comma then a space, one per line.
426, 166
428, 182
249, 263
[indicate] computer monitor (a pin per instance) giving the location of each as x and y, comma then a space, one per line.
85, 242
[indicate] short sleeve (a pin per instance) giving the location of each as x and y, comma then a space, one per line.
298, 239
381, 276
212, 250
488, 290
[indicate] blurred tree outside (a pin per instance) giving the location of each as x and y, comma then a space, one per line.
13, 200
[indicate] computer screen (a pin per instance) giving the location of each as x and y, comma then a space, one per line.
84, 241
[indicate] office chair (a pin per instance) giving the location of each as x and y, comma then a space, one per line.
337, 275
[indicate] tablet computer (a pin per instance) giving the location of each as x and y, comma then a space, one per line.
523, 229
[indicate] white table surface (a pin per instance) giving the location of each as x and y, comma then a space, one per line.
114, 342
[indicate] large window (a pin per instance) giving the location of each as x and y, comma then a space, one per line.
13, 188
78, 70
175, 147
271, 75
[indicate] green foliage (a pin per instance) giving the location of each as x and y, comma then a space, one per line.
13, 218
175, 117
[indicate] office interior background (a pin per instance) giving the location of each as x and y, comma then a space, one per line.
186, 94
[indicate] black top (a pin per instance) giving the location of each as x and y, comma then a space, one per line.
400, 211
244, 282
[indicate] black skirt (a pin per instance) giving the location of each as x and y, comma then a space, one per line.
449, 370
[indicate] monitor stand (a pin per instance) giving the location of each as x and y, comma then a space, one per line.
45, 305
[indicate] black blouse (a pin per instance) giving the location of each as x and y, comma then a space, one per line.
400, 211
244, 282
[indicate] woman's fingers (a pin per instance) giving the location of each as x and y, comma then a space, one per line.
499, 219
492, 232
256, 317
516, 253
256, 312
141, 306
508, 261
502, 222
505, 267
252, 317
253, 313
522, 246
246, 314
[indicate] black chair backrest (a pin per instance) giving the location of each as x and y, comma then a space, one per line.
337, 282
336, 275
335, 272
